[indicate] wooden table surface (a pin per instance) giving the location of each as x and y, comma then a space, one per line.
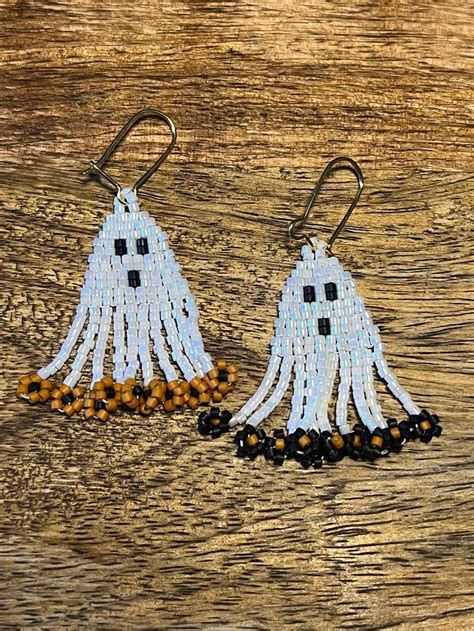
141, 523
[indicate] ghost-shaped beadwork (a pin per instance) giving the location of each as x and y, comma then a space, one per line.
322, 330
133, 293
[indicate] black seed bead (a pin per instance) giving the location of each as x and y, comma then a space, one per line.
204, 416
348, 440
137, 391
253, 452
405, 430
279, 433
279, 459
291, 450
34, 387
305, 462
437, 431
99, 405
324, 326
367, 453
241, 452
330, 289
317, 463
222, 376
204, 427
387, 441
120, 246
67, 398
248, 430
110, 392
309, 293
142, 246
216, 432
214, 413
326, 437
333, 455
269, 452
225, 416
426, 436
414, 424
134, 279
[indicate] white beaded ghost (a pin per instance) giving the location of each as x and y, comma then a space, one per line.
322, 330
133, 293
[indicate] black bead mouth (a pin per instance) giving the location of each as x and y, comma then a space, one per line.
134, 279
324, 326
34, 387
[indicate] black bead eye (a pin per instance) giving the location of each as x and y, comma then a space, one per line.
142, 246
324, 326
134, 279
120, 247
330, 289
309, 295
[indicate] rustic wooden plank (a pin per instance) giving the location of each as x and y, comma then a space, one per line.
140, 523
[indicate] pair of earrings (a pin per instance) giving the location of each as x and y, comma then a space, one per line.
135, 294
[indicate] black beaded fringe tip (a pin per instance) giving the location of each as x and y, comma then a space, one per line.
214, 422
312, 449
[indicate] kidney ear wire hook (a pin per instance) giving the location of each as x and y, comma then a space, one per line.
341, 162
96, 166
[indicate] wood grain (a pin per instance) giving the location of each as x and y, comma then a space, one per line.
140, 523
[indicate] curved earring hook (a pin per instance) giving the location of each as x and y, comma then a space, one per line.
338, 163
96, 165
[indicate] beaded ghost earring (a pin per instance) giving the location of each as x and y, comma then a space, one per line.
134, 293
323, 328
